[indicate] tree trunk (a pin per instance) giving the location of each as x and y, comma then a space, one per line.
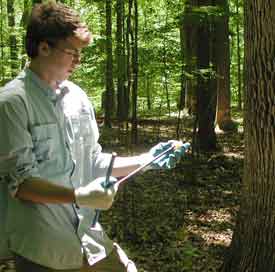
109, 99
23, 23
128, 41
101, 45
36, 2
253, 243
165, 68
221, 48
189, 30
12, 38
240, 80
148, 89
206, 90
2, 67
181, 103
135, 75
122, 111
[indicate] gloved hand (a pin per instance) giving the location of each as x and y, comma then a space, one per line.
169, 160
96, 195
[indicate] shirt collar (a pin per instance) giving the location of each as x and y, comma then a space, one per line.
54, 96
61, 91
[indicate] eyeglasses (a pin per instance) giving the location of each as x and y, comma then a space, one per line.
75, 53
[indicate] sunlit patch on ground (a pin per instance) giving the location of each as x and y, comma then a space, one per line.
210, 237
219, 216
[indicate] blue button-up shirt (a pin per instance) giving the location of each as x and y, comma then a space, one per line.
52, 135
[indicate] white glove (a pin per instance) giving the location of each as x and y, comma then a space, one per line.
96, 195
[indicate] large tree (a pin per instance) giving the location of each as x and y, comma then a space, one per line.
252, 247
2, 53
239, 74
222, 52
189, 43
135, 73
36, 2
122, 97
206, 86
12, 37
109, 99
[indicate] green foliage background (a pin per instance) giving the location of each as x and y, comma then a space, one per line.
159, 50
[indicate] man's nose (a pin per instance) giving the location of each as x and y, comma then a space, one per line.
77, 59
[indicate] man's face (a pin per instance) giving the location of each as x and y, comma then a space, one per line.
63, 58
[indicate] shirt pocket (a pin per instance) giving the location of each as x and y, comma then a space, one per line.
85, 124
45, 139
85, 129
89, 129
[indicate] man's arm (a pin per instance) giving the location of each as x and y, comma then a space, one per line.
42, 191
125, 165
93, 195
175, 150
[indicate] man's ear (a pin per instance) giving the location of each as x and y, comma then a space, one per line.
44, 49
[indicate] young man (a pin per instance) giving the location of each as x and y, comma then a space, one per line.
51, 165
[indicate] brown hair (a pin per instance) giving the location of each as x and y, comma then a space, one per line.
51, 22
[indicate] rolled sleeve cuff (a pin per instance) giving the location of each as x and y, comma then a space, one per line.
15, 169
100, 161
101, 164
19, 176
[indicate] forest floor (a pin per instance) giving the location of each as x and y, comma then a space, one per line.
178, 220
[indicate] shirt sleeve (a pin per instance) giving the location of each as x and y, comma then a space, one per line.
17, 161
100, 161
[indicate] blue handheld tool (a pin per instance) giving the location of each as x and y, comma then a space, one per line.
106, 184
183, 148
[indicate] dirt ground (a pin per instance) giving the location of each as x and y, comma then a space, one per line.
181, 219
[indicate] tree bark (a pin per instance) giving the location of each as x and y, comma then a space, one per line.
23, 23
36, 2
128, 41
253, 243
109, 99
181, 103
2, 67
122, 109
135, 75
189, 29
148, 88
222, 51
240, 78
12, 38
165, 68
206, 88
